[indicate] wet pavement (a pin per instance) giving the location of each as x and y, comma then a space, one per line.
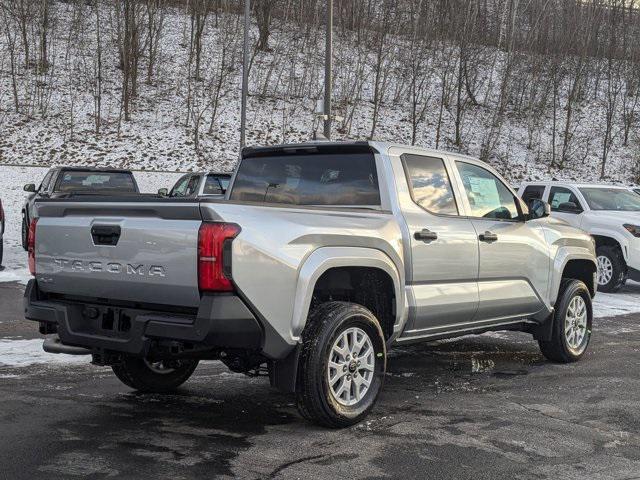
482, 407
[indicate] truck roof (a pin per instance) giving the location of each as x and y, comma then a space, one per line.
93, 169
573, 184
351, 146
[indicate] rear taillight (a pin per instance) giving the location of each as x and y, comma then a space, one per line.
214, 256
31, 246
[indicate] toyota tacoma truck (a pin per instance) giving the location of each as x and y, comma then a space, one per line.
611, 214
323, 256
66, 181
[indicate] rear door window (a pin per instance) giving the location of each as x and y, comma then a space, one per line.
192, 185
312, 179
430, 184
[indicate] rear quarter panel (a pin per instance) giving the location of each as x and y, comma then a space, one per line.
275, 243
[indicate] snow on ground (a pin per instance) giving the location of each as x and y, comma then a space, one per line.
24, 353
624, 302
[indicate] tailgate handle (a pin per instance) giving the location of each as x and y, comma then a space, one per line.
105, 234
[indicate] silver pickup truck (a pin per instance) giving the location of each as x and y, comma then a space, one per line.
321, 257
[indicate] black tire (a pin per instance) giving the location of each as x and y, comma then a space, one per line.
618, 270
25, 231
139, 375
314, 397
1, 250
558, 348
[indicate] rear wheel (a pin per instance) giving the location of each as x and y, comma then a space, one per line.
612, 271
1, 250
571, 324
147, 376
342, 365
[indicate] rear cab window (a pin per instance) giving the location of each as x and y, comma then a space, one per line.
75, 181
313, 179
215, 184
430, 184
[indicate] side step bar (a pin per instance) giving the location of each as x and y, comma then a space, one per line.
54, 345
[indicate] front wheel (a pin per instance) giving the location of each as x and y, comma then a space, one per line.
612, 271
342, 365
571, 324
160, 377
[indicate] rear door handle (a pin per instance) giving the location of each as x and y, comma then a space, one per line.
488, 237
425, 235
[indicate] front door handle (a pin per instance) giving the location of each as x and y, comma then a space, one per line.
488, 237
425, 235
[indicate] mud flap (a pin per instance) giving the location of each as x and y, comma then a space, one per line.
544, 330
283, 373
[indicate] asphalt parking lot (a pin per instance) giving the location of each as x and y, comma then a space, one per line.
479, 407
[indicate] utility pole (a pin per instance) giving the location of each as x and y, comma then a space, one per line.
327, 71
245, 73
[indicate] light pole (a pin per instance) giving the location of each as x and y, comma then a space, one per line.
327, 71
245, 73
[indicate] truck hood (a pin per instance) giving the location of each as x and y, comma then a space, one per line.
615, 217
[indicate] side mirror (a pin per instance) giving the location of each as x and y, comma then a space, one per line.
29, 187
163, 192
539, 209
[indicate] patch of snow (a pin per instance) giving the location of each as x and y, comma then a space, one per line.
482, 365
622, 303
24, 353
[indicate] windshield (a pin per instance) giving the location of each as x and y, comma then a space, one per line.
611, 199
86, 181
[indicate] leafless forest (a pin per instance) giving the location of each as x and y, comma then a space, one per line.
537, 87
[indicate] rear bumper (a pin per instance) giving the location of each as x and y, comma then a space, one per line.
221, 322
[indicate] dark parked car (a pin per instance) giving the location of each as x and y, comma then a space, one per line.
63, 182
199, 185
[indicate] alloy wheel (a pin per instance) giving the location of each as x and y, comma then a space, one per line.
351, 366
605, 270
575, 325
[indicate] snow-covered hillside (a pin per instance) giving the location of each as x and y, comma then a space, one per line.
186, 123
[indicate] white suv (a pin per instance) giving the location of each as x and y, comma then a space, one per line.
610, 214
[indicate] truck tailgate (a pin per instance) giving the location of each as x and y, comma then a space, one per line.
137, 251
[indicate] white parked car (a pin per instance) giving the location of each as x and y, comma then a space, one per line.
609, 213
